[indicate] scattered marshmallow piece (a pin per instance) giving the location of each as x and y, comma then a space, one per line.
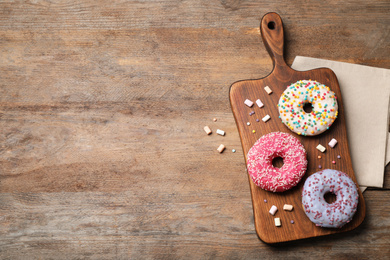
288, 207
266, 118
214, 119
220, 132
269, 91
277, 222
248, 123
248, 103
321, 148
221, 148
259, 103
332, 142
207, 130
273, 210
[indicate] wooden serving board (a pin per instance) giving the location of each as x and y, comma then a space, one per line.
271, 28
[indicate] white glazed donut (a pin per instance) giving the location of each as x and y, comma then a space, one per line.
324, 107
338, 213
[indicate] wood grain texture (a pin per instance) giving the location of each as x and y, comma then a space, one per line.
281, 77
102, 108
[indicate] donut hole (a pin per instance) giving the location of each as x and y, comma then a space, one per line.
271, 25
307, 107
277, 162
330, 197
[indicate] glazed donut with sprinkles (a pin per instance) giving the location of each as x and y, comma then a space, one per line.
323, 102
322, 213
270, 146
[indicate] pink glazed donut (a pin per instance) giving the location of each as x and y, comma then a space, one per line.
338, 213
268, 147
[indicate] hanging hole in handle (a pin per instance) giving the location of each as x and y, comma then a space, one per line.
271, 25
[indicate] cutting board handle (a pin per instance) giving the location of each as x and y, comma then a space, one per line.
271, 28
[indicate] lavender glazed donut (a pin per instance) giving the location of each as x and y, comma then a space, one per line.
268, 147
338, 213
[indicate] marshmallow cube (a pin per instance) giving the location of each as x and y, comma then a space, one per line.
266, 118
268, 90
273, 210
321, 148
220, 132
207, 130
221, 148
288, 207
259, 103
248, 103
332, 143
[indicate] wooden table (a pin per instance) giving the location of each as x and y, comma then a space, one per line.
102, 109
